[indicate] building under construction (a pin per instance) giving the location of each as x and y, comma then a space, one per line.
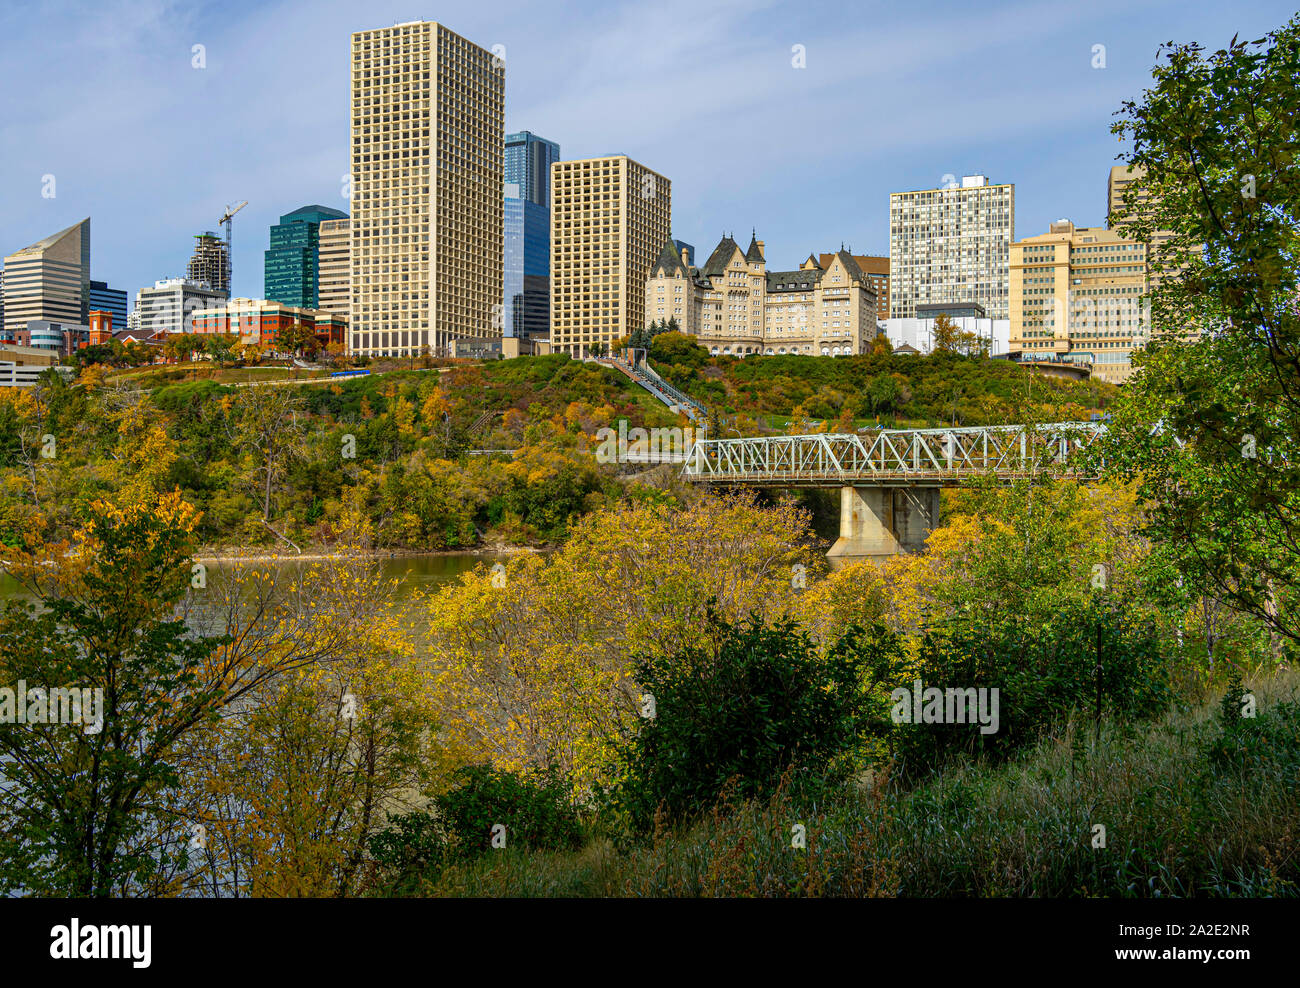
209, 262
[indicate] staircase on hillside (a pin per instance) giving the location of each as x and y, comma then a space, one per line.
643, 374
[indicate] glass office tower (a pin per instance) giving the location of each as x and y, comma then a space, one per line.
527, 285
527, 309
107, 299
528, 166
292, 266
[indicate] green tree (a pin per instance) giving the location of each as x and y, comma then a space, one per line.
220, 347
1212, 427
88, 808
297, 340
883, 394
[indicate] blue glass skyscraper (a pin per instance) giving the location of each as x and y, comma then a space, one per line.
528, 165
527, 285
107, 299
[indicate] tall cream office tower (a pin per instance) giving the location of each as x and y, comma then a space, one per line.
428, 134
50, 280
951, 246
610, 218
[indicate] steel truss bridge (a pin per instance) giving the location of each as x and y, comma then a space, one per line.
893, 457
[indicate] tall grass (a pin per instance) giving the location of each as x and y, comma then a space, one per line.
1179, 821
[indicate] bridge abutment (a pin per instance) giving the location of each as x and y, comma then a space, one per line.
883, 521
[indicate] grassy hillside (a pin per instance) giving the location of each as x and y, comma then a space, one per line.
417, 479
393, 459
902, 391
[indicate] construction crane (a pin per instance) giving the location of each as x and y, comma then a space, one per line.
230, 213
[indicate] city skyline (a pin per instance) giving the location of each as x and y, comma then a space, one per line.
1039, 120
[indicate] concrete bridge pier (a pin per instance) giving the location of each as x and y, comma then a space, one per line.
882, 521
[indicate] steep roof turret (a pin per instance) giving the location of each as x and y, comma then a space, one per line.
717, 262
669, 263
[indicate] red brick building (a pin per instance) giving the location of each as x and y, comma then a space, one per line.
261, 322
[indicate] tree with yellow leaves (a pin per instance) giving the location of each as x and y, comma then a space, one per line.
290, 785
534, 658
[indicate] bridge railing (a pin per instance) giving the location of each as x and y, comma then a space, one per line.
893, 455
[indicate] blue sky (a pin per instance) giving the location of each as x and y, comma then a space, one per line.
894, 96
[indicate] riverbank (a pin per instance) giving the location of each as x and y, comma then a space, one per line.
229, 555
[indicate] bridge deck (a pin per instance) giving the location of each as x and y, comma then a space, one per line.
892, 457
919, 478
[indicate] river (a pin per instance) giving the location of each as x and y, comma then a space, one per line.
412, 573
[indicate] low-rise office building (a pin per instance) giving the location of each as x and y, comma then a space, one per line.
166, 308
917, 331
60, 338
22, 366
524, 346
477, 348
260, 322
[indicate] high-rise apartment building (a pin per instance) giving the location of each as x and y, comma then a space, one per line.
107, 299
951, 246
528, 161
334, 290
292, 263
877, 271
50, 280
1077, 296
610, 218
427, 144
208, 264
734, 305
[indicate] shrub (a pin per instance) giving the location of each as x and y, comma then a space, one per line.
536, 809
1247, 740
739, 710
1043, 672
